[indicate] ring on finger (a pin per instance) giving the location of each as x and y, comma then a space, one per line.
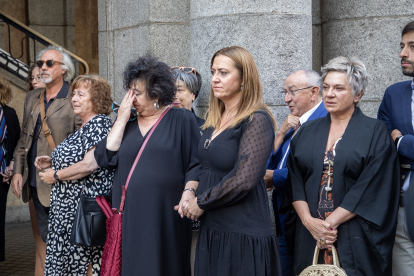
322, 241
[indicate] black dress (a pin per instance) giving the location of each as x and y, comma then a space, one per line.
156, 241
236, 235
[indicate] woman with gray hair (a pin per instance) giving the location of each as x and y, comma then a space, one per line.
343, 186
188, 83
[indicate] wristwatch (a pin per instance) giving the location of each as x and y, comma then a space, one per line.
397, 140
56, 176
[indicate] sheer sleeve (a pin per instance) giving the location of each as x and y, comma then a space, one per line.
255, 145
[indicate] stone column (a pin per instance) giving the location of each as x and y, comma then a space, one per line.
316, 36
129, 29
277, 33
55, 20
371, 31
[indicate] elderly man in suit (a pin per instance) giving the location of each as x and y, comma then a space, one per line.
48, 119
396, 111
303, 94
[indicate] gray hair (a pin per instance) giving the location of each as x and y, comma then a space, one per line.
354, 69
314, 79
191, 80
66, 59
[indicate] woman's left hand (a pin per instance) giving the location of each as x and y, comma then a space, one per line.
8, 173
185, 200
47, 176
194, 212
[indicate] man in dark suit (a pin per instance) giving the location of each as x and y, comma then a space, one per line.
396, 111
56, 71
302, 92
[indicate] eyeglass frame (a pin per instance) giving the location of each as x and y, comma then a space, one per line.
46, 61
30, 80
193, 70
292, 93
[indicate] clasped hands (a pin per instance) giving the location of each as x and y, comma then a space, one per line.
188, 207
322, 230
45, 163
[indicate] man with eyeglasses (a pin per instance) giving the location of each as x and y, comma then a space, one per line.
302, 93
48, 119
397, 112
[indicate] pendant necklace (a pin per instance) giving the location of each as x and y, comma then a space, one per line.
329, 174
208, 140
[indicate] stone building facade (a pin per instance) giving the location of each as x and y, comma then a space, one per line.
282, 35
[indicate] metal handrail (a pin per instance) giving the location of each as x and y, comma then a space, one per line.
37, 37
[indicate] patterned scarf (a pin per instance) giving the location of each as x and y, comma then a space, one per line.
3, 136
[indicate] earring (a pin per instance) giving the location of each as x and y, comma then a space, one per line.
156, 105
241, 87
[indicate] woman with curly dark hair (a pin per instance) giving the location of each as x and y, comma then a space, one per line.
155, 240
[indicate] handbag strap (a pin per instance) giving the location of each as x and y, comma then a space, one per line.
334, 255
46, 130
125, 187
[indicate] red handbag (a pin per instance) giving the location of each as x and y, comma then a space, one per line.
111, 264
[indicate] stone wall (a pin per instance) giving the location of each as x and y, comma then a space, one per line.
128, 30
371, 31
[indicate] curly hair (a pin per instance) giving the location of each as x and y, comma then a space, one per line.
5, 90
99, 89
159, 82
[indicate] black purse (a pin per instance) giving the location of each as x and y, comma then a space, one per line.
89, 226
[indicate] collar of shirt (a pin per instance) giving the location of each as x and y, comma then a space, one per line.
412, 84
63, 93
306, 116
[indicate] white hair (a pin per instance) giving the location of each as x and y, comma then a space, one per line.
353, 68
66, 59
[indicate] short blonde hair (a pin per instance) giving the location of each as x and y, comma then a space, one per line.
5, 90
251, 94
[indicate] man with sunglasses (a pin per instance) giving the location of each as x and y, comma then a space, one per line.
47, 120
302, 93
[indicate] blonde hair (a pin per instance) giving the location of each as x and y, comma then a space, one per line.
5, 90
251, 99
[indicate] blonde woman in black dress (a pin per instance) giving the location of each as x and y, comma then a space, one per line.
236, 235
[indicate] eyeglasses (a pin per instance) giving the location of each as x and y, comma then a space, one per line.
292, 93
187, 70
132, 116
32, 78
49, 63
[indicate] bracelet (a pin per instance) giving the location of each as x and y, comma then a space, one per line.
56, 176
192, 190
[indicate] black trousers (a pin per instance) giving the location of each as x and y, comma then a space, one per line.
4, 190
42, 214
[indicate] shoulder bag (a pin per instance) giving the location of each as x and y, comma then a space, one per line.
111, 264
324, 269
88, 227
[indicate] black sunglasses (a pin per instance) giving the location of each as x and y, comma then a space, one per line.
49, 63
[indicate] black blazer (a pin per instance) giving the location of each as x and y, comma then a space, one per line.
13, 131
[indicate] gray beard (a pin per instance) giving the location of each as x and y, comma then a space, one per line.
46, 80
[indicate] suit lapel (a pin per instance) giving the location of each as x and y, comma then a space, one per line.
318, 113
58, 104
406, 108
